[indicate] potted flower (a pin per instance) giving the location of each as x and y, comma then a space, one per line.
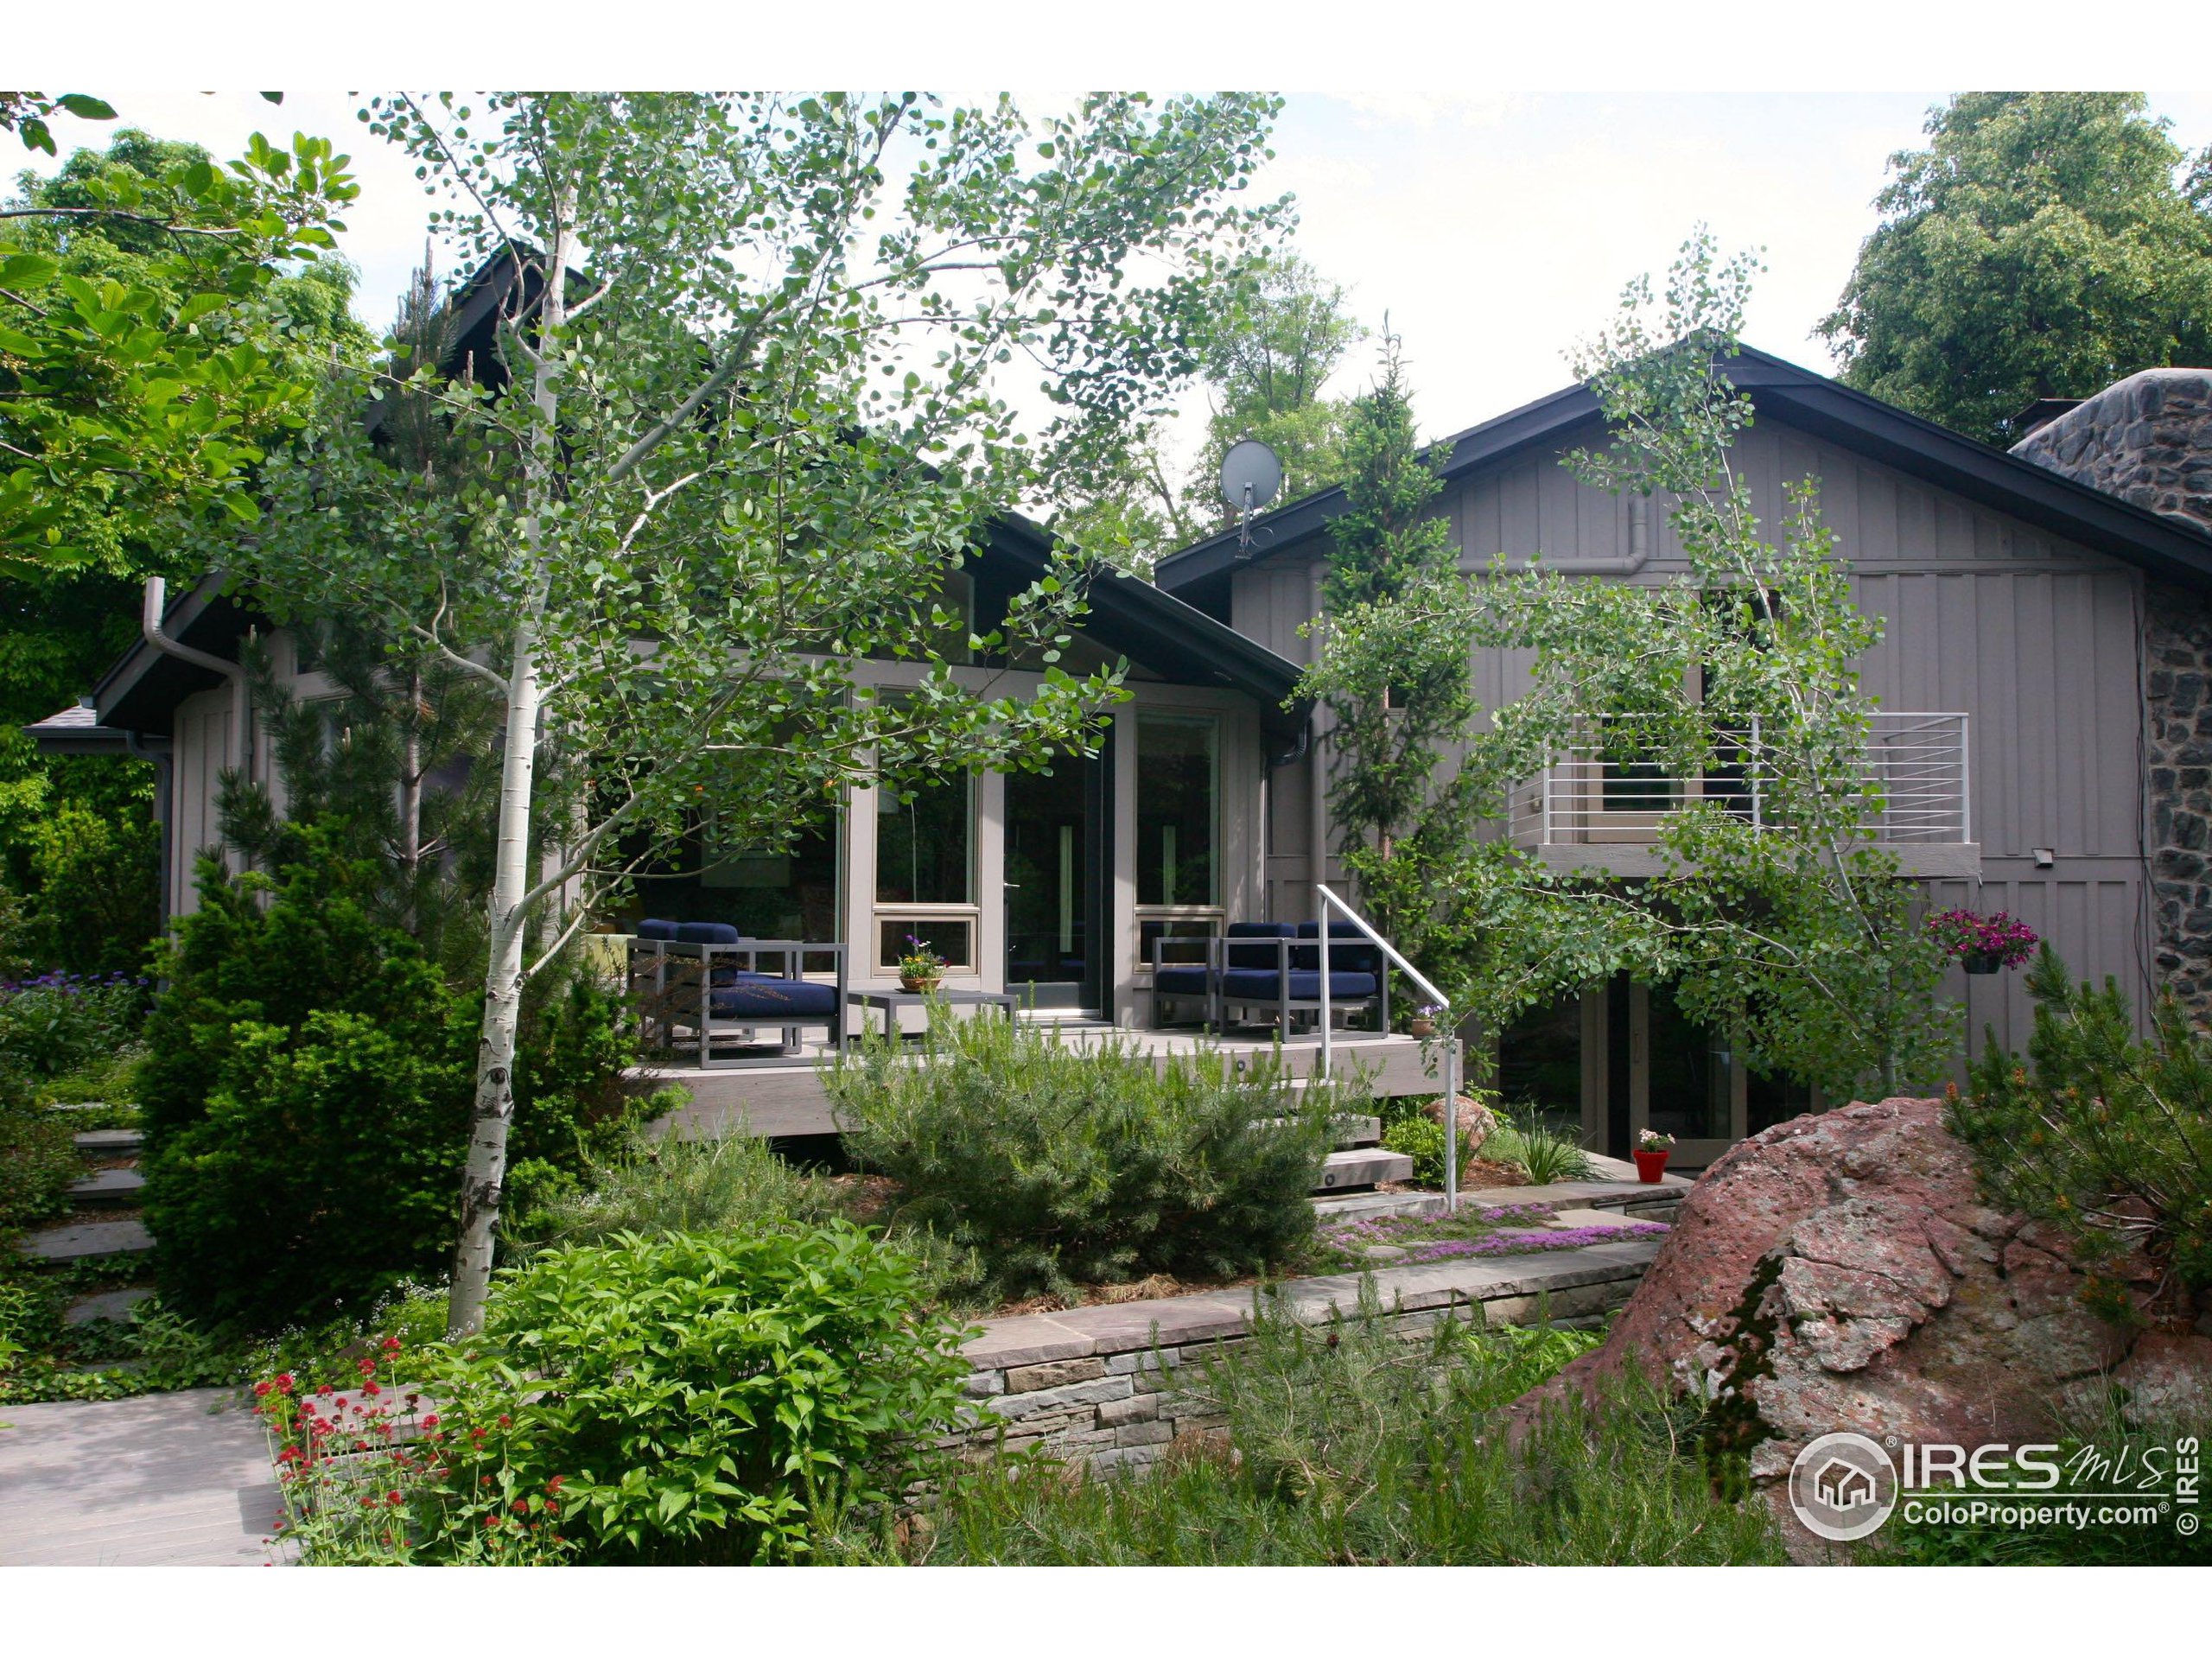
1423, 1024
1651, 1150
1983, 943
920, 968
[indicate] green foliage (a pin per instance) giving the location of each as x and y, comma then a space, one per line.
1267, 338
1393, 666
1542, 1153
1789, 930
38, 1158
1356, 1446
734, 1186
1057, 1163
308, 1091
60, 1022
96, 885
135, 391
2107, 1136
2044, 245
1422, 1140
679, 1399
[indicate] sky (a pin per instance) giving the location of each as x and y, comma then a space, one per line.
1493, 228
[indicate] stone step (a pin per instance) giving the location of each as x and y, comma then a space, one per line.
109, 1143
107, 1188
107, 1305
1368, 1207
1362, 1166
89, 1240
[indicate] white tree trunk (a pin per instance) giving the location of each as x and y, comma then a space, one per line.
484, 1179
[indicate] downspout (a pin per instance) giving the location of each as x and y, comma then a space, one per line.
150, 624
1639, 548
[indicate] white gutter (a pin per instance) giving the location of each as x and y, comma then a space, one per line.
150, 624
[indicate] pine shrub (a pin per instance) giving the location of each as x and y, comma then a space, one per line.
1058, 1164
2107, 1136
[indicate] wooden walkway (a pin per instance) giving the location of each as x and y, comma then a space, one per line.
164, 1480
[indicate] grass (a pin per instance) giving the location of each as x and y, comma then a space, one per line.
1352, 1445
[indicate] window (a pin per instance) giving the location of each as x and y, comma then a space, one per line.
782, 892
922, 845
1177, 774
925, 871
1179, 819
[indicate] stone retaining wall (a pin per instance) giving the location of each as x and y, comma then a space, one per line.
1097, 1384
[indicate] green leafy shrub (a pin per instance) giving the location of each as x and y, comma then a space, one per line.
1056, 1163
1351, 1444
680, 1398
1422, 1140
59, 1022
2106, 1136
38, 1158
734, 1185
307, 1089
96, 888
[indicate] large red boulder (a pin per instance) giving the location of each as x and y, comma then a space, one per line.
1839, 1272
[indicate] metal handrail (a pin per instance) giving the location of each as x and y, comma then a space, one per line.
1435, 996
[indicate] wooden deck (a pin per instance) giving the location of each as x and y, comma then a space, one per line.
789, 1099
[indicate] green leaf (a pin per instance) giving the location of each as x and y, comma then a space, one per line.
22, 270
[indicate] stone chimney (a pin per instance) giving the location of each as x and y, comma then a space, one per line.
2146, 439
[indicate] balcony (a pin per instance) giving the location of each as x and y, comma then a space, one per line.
1585, 810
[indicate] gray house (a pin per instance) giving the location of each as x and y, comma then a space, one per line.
2040, 677
2047, 632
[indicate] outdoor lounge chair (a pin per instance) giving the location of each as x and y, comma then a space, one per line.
1201, 982
1283, 977
707, 978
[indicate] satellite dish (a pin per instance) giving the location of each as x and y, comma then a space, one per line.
1251, 475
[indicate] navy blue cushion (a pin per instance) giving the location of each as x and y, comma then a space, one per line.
707, 933
769, 997
1181, 981
653, 928
1258, 955
1348, 951
1239, 984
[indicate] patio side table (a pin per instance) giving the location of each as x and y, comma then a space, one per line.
890, 1002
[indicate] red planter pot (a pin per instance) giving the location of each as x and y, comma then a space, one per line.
1651, 1165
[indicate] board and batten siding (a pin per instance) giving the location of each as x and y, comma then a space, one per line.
2036, 639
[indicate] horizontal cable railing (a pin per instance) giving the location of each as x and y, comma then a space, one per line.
1597, 793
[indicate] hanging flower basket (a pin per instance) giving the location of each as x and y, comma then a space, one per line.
1982, 944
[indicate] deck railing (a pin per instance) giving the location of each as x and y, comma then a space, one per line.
1447, 1023
1590, 794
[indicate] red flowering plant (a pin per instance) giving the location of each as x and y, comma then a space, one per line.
369, 1474
1962, 933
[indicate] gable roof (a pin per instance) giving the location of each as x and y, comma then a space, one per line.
1125, 615
2165, 547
